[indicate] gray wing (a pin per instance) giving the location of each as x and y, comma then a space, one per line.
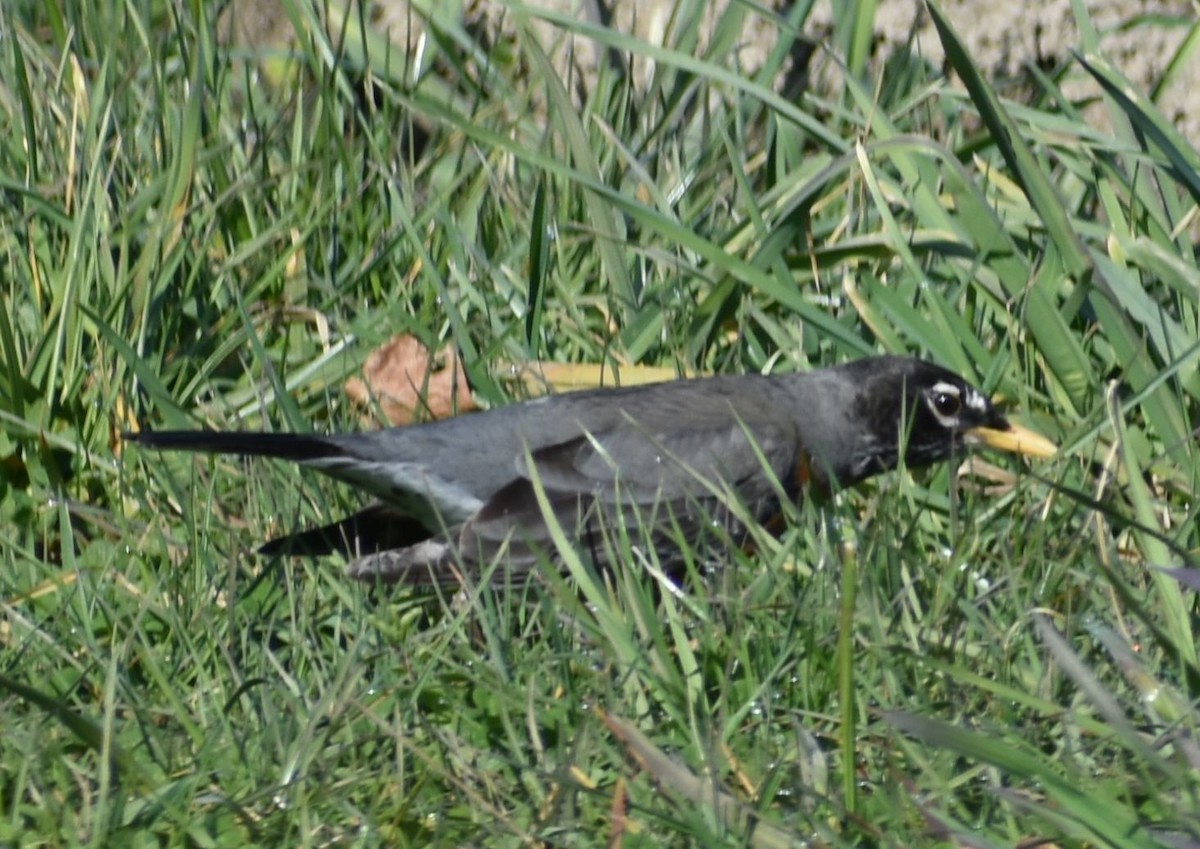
677, 480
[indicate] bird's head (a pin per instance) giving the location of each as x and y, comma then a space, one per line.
931, 414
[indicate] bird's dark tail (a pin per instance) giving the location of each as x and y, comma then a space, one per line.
285, 446
376, 528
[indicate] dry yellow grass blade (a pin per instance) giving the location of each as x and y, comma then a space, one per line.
540, 377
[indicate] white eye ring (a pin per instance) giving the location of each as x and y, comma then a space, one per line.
945, 400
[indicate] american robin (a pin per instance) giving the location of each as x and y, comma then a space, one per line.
670, 456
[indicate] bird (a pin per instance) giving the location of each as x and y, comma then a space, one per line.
677, 457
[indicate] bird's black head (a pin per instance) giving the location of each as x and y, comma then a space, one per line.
931, 414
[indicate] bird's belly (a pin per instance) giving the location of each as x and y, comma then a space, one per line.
427, 496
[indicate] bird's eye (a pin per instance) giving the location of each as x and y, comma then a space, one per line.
946, 404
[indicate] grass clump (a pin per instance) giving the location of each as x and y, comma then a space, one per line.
979, 658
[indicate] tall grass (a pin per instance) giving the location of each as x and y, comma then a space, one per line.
194, 237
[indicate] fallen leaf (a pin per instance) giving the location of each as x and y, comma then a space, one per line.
408, 383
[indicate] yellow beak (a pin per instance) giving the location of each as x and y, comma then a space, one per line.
1017, 439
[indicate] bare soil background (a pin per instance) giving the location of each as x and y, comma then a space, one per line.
1005, 38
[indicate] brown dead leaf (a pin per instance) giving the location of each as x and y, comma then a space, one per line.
617, 816
408, 383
